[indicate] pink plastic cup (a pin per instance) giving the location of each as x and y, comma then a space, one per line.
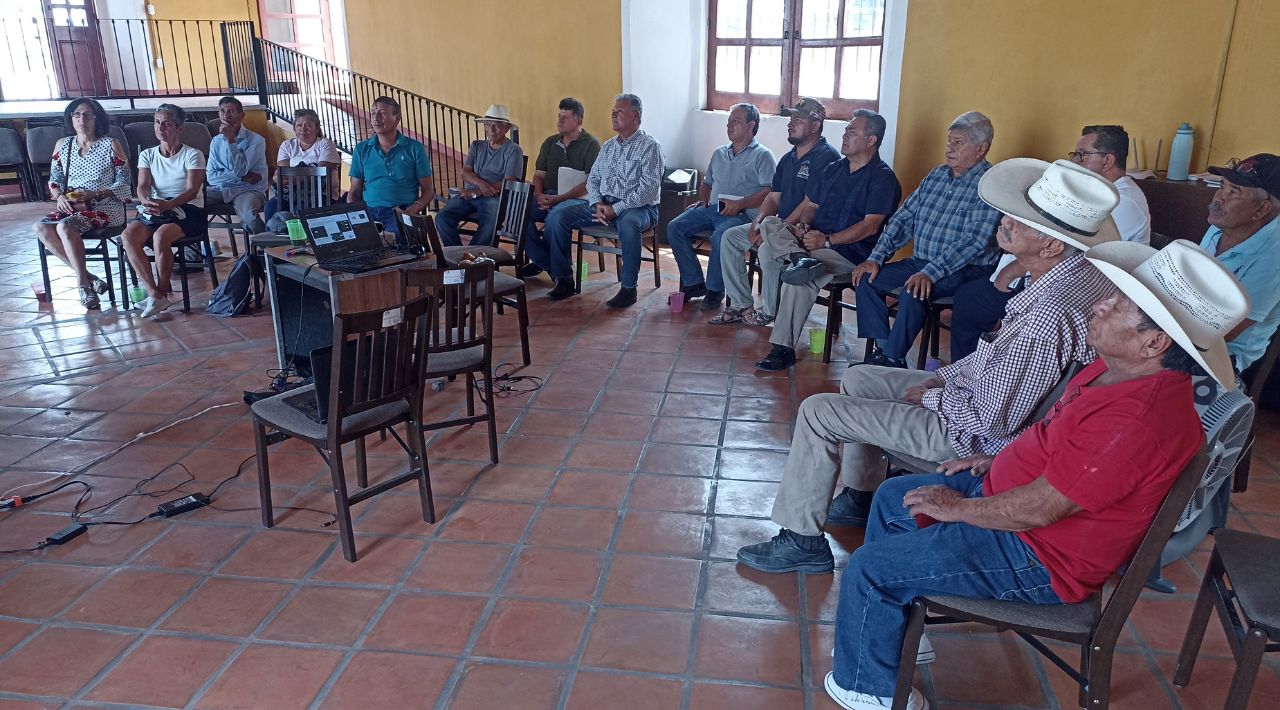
676, 301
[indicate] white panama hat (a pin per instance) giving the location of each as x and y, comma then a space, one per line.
1187, 292
497, 112
1061, 199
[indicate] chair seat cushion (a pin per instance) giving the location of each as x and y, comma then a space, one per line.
505, 284
1049, 619
455, 359
278, 413
1250, 561
500, 256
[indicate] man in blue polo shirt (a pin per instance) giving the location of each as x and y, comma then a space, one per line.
809, 156
390, 169
1245, 236
841, 216
737, 181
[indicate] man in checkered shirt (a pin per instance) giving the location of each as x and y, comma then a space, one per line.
975, 406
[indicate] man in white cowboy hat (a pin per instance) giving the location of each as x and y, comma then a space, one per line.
1053, 212
979, 304
489, 163
1069, 500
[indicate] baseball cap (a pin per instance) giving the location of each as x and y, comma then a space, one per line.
807, 108
1261, 170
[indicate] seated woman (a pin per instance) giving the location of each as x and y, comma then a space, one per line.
89, 180
169, 177
309, 148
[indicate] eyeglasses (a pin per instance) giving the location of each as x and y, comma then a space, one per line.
82, 115
1077, 156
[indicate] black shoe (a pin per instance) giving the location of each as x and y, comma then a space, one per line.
780, 358
788, 552
850, 508
694, 291
529, 271
564, 289
879, 358
712, 300
625, 297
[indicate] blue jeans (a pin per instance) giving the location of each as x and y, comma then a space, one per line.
680, 236
979, 305
898, 562
387, 217
873, 314
535, 242
483, 210
572, 214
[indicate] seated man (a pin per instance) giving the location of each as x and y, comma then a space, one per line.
1245, 237
489, 163
570, 147
952, 232
623, 191
1068, 502
390, 169
840, 219
237, 167
736, 182
976, 405
979, 304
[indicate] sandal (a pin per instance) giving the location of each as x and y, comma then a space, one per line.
99, 285
729, 315
88, 298
757, 317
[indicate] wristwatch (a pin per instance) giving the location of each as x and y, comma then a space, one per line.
826, 242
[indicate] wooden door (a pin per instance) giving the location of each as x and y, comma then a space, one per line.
76, 47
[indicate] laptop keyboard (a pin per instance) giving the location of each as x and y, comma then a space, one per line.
365, 261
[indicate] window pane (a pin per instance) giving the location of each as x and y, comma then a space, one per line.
306, 7
864, 18
731, 69
820, 20
283, 6
766, 18
818, 72
860, 73
731, 18
280, 30
310, 30
766, 70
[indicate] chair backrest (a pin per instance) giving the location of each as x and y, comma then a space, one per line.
515, 205
197, 136
302, 188
1115, 611
40, 143
421, 229
11, 150
379, 357
213, 125
139, 136
464, 295
1051, 398
1227, 418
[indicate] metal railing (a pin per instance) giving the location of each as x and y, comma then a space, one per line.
342, 98
63, 57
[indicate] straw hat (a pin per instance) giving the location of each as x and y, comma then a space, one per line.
1061, 199
497, 112
1187, 292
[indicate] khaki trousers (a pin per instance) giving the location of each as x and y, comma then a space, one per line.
866, 417
734, 244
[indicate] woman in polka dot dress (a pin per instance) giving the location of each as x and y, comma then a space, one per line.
89, 181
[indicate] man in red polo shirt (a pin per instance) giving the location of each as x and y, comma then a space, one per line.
1067, 503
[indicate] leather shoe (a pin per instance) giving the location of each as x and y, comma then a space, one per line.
780, 358
847, 510
529, 271
564, 289
879, 358
712, 300
694, 291
625, 297
784, 554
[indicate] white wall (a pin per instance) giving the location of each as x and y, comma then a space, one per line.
664, 59
125, 44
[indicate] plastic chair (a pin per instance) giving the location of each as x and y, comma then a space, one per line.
40, 143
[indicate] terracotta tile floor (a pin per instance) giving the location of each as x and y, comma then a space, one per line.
591, 569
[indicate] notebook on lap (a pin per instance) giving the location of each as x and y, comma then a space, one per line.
344, 238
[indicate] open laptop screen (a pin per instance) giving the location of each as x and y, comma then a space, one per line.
341, 230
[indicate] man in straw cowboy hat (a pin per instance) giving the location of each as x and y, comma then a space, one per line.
975, 406
1066, 503
489, 163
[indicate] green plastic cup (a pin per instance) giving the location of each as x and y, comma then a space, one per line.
137, 294
297, 235
583, 271
817, 340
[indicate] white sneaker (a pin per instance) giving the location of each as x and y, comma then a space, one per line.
924, 654
155, 305
850, 700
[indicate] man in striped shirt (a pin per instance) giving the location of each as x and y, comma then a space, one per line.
975, 406
951, 229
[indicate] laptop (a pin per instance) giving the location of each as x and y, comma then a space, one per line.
345, 239
315, 404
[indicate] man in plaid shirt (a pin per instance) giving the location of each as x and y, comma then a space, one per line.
977, 405
951, 229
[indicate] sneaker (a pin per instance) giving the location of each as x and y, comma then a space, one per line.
529, 271
780, 358
712, 300
100, 286
924, 653
757, 317
155, 305
564, 289
729, 316
847, 509
851, 700
784, 554
625, 297
694, 291
89, 299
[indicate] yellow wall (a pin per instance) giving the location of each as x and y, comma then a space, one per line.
533, 53
192, 52
1247, 114
1042, 69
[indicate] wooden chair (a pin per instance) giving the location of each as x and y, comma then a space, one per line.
930, 331
303, 188
376, 381
1240, 585
1093, 624
461, 339
508, 291
1255, 379
601, 233
200, 241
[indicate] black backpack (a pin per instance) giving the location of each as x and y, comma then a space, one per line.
234, 296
